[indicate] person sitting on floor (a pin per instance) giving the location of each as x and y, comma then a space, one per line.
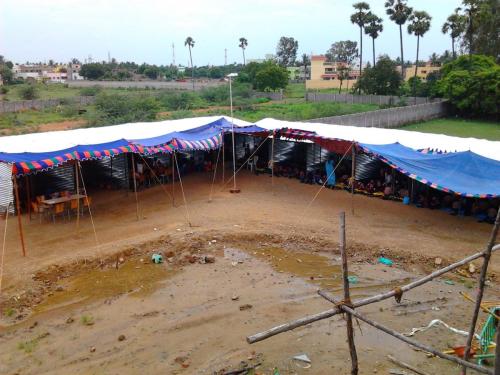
302, 176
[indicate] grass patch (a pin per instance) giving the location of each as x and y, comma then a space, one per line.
9, 311
87, 320
459, 128
295, 90
31, 345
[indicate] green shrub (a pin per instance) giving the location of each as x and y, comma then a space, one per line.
4, 90
90, 91
181, 101
28, 92
115, 109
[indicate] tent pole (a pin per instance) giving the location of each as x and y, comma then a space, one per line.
77, 181
135, 187
223, 161
173, 178
28, 195
353, 166
272, 159
18, 211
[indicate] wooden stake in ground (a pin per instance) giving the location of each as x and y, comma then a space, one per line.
347, 296
135, 188
18, 212
173, 178
480, 292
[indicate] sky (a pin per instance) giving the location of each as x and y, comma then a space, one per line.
144, 31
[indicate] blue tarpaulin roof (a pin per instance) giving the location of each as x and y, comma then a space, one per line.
464, 173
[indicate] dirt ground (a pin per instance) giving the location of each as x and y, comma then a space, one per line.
67, 303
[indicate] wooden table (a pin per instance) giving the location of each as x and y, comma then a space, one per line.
54, 201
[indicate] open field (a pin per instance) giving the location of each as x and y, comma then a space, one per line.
74, 298
459, 128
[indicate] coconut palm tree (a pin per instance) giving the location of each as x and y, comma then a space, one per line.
243, 45
455, 24
420, 23
398, 11
373, 28
189, 42
359, 17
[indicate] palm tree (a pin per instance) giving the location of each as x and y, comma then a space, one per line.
398, 11
455, 25
359, 17
420, 23
373, 28
189, 42
471, 12
243, 44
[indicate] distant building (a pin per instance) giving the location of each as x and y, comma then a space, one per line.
267, 57
73, 72
47, 73
422, 71
325, 74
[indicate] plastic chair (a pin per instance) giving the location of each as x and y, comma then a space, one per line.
58, 210
87, 201
487, 336
73, 205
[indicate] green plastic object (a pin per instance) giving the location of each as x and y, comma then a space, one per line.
157, 258
487, 336
352, 279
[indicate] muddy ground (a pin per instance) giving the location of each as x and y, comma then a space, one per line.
74, 306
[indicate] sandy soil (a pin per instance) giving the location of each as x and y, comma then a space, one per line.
180, 317
61, 125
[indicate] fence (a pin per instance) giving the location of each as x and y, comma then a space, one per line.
391, 117
367, 99
270, 95
23, 105
159, 85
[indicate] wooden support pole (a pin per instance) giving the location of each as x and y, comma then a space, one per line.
272, 159
414, 343
135, 188
223, 159
173, 178
347, 296
480, 292
28, 195
363, 302
18, 212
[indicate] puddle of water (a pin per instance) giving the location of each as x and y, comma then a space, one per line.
132, 277
315, 268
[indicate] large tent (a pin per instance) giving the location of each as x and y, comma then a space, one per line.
465, 166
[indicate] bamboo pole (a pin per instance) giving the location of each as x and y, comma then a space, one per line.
414, 343
135, 188
480, 292
363, 302
18, 211
347, 296
223, 159
28, 195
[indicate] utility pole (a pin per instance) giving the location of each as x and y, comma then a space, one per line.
173, 54
225, 56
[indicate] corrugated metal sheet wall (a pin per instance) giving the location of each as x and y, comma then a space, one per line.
6, 188
57, 179
316, 157
367, 167
109, 172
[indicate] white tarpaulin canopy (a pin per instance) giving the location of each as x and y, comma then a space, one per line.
415, 140
60, 140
